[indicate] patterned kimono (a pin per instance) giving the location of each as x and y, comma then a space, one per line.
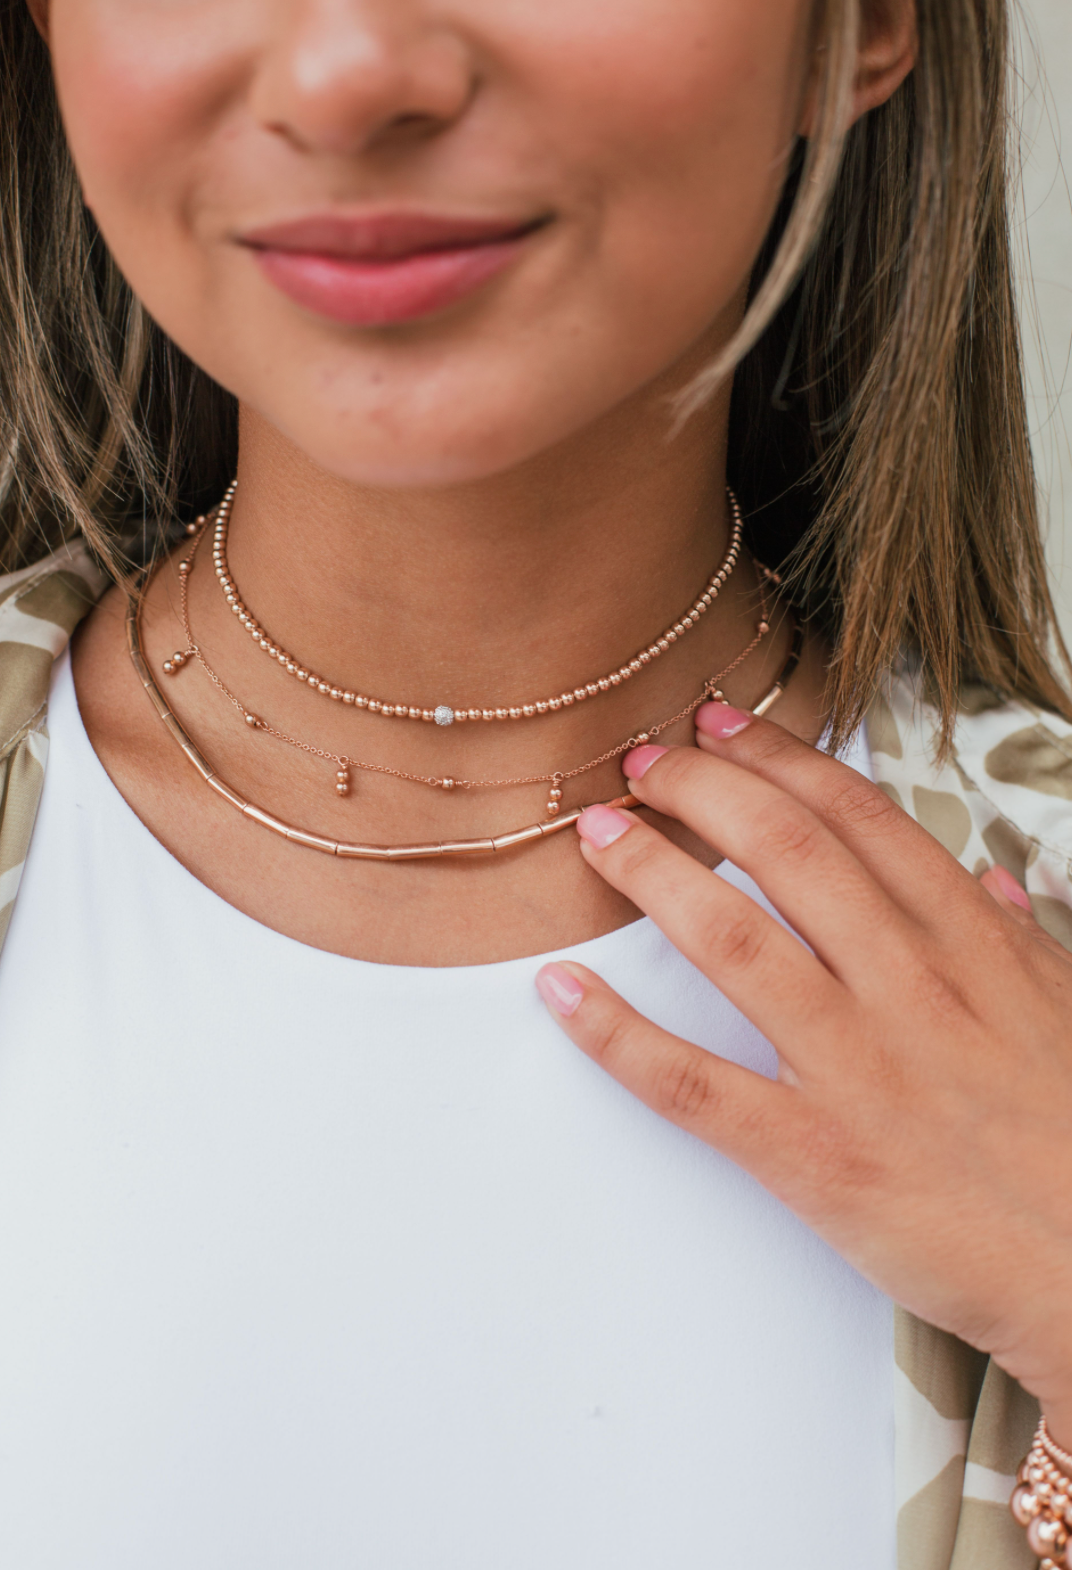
1004, 796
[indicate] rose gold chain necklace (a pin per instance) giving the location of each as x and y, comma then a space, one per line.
555, 823
443, 713
555, 779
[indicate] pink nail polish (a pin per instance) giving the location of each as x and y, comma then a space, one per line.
1010, 888
720, 721
601, 826
559, 990
639, 761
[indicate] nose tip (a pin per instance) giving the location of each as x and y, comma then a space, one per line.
341, 82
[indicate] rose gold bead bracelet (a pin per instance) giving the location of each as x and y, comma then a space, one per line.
1042, 1501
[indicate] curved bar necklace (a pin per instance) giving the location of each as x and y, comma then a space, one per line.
469, 847
442, 713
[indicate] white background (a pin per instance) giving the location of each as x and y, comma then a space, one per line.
1044, 234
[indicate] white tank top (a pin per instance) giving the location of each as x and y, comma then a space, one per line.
313, 1264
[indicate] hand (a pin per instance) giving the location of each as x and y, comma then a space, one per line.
921, 1120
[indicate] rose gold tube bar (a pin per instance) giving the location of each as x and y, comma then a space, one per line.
330, 847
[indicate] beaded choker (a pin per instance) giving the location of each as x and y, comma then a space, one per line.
444, 713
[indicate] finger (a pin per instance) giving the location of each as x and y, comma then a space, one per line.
729, 1107
898, 853
805, 870
761, 968
1016, 902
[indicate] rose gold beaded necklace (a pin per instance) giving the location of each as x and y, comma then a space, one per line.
555, 779
443, 713
556, 820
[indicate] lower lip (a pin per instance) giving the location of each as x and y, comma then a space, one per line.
382, 293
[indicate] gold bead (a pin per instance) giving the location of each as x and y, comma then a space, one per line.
604, 684
184, 567
580, 693
643, 738
1046, 1535
554, 704
1024, 1504
502, 714
342, 776
763, 628
253, 722
374, 706
515, 714
387, 710
349, 697
592, 689
336, 693
555, 793
671, 637
447, 784
542, 708
169, 668
553, 809
528, 710
361, 702
487, 714
301, 675
414, 714
342, 789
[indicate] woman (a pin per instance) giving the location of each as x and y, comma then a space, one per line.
322, 1245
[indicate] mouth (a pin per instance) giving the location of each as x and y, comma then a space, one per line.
381, 269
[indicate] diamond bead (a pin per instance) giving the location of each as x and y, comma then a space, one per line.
444, 715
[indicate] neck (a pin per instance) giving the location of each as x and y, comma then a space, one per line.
486, 595
524, 582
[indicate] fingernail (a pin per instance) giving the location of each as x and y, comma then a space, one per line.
1010, 888
601, 826
559, 990
720, 721
639, 761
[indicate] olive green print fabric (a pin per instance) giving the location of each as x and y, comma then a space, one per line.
39, 610
1003, 796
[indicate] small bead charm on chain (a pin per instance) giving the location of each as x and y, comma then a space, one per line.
554, 796
177, 661
342, 778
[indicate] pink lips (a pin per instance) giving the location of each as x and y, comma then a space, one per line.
382, 269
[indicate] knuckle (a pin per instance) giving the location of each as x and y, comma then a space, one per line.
638, 851
683, 1089
937, 993
609, 1035
677, 772
859, 805
770, 743
842, 1162
736, 942
785, 829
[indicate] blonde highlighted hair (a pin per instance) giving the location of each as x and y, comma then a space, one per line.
879, 433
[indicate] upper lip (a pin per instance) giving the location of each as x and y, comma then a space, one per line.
384, 236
